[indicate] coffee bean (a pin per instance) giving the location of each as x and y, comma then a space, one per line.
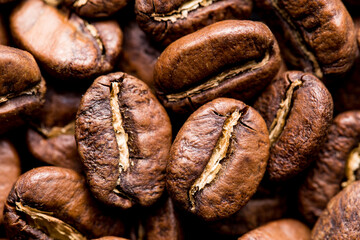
340, 218
237, 160
124, 137
298, 111
95, 8
336, 166
9, 171
346, 91
22, 88
231, 58
66, 45
285, 229
51, 138
218, 159
315, 36
167, 21
54, 203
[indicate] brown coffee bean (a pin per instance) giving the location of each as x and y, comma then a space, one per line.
166, 21
218, 158
139, 54
298, 110
336, 166
22, 88
346, 92
95, 8
66, 45
54, 203
340, 219
9, 171
51, 139
230, 58
315, 36
285, 229
124, 136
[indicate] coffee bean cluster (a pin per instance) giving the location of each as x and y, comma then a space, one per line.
179, 119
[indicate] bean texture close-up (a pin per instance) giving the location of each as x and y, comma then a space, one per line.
179, 119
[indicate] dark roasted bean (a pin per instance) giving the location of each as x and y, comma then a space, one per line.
166, 21
22, 89
341, 217
336, 166
315, 36
298, 110
124, 137
54, 203
218, 158
66, 45
231, 58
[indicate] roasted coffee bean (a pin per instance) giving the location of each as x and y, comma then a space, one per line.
51, 138
139, 54
9, 171
54, 203
340, 219
230, 58
159, 222
124, 137
166, 21
285, 229
346, 92
66, 45
218, 158
298, 110
336, 166
22, 89
94, 8
315, 36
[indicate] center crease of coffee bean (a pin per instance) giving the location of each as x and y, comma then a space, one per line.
32, 91
68, 129
219, 153
94, 32
182, 11
278, 124
301, 42
216, 80
52, 226
120, 134
352, 164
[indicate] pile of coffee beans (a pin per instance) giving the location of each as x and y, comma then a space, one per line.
179, 119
